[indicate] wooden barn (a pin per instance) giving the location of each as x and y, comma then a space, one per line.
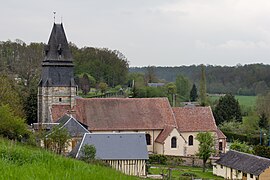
126, 152
238, 165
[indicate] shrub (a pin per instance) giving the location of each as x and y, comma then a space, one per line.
89, 153
262, 151
157, 158
189, 174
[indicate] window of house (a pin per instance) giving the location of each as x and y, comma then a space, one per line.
173, 142
251, 175
221, 166
244, 174
60, 99
148, 139
190, 140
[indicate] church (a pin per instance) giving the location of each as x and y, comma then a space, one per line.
168, 130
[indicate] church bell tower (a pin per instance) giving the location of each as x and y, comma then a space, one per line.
57, 86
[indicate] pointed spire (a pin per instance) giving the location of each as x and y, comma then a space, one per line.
57, 48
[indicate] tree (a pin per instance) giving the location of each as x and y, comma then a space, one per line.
171, 90
30, 106
12, 126
150, 75
206, 146
263, 122
241, 146
227, 109
8, 95
203, 97
103, 87
183, 87
193, 93
262, 105
56, 140
89, 153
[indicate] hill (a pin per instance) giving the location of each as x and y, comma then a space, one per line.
24, 162
251, 79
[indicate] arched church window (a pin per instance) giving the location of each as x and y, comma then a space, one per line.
173, 142
190, 140
148, 139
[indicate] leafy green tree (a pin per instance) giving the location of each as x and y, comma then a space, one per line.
183, 87
241, 146
263, 151
263, 122
203, 97
171, 90
262, 105
150, 74
227, 109
56, 140
103, 87
30, 106
8, 95
12, 126
89, 153
193, 93
206, 146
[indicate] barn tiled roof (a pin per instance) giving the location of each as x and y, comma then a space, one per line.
58, 111
114, 146
125, 113
194, 119
246, 163
164, 134
220, 134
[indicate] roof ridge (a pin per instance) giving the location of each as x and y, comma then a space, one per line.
252, 155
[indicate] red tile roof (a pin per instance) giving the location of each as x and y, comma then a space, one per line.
164, 134
58, 111
220, 134
124, 113
194, 119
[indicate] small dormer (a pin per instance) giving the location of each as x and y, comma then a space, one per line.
59, 50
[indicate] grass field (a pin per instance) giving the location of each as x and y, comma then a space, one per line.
24, 162
247, 101
179, 172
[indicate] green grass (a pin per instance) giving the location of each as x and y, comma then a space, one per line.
24, 162
179, 170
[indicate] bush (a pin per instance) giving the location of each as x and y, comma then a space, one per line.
189, 174
157, 158
89, 153
262, 151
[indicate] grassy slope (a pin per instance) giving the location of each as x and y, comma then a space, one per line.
24, 162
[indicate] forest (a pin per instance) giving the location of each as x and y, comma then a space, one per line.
252, 79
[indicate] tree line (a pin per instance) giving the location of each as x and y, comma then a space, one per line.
252, 79
20, 70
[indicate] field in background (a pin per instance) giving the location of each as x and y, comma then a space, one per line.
246, 101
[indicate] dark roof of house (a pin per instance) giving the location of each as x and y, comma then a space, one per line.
114, 146
194, 119
57, 66
246, 163
74, 127
124, 113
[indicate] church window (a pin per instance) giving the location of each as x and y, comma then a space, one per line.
148, 139
173, 142
190, 140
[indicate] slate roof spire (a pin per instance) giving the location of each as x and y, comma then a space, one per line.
57, 48
57, 66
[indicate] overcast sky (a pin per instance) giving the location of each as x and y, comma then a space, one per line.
150, 32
